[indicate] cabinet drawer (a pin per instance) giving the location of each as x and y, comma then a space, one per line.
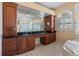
9, 52
9, 46
9, 41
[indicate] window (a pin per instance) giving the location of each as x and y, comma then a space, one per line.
77, 19
65, 21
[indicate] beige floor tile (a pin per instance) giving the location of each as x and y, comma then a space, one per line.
53, 49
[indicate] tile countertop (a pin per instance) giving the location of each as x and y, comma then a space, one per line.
27, 35
34, 34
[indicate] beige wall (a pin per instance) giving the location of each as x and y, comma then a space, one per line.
0, 28
77, 17
36, 7
65, 35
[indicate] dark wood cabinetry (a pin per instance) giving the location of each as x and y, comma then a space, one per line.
49, 38
30, 42
49, 22
9, 19
22, 44
12, 43
25, 44
53, 37
9, 46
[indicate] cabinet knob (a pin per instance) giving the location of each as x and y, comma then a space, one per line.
48, 24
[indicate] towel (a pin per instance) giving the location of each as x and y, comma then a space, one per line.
73, 46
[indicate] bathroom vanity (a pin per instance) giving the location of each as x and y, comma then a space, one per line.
14, 42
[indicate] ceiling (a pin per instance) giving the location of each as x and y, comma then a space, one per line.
51, 5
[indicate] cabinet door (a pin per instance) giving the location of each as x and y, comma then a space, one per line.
9, 19
49, 22
30, 43
49, 38
45, 40
9, 46
52, 37
22, 45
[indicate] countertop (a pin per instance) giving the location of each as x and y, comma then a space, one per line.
28, 35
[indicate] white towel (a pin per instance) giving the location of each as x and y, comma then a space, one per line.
73, 46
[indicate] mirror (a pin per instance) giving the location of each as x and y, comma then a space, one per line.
29, 20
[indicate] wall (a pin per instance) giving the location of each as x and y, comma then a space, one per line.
36, 7
0, 28
77, 19
65, 35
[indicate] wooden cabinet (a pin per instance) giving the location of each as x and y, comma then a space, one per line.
49, 22
9, 19
22, 44
53, 37
25, 44
49, 38
30, 42
13, 45
45, 40
9, 46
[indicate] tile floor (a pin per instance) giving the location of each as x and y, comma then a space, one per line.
53, 49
